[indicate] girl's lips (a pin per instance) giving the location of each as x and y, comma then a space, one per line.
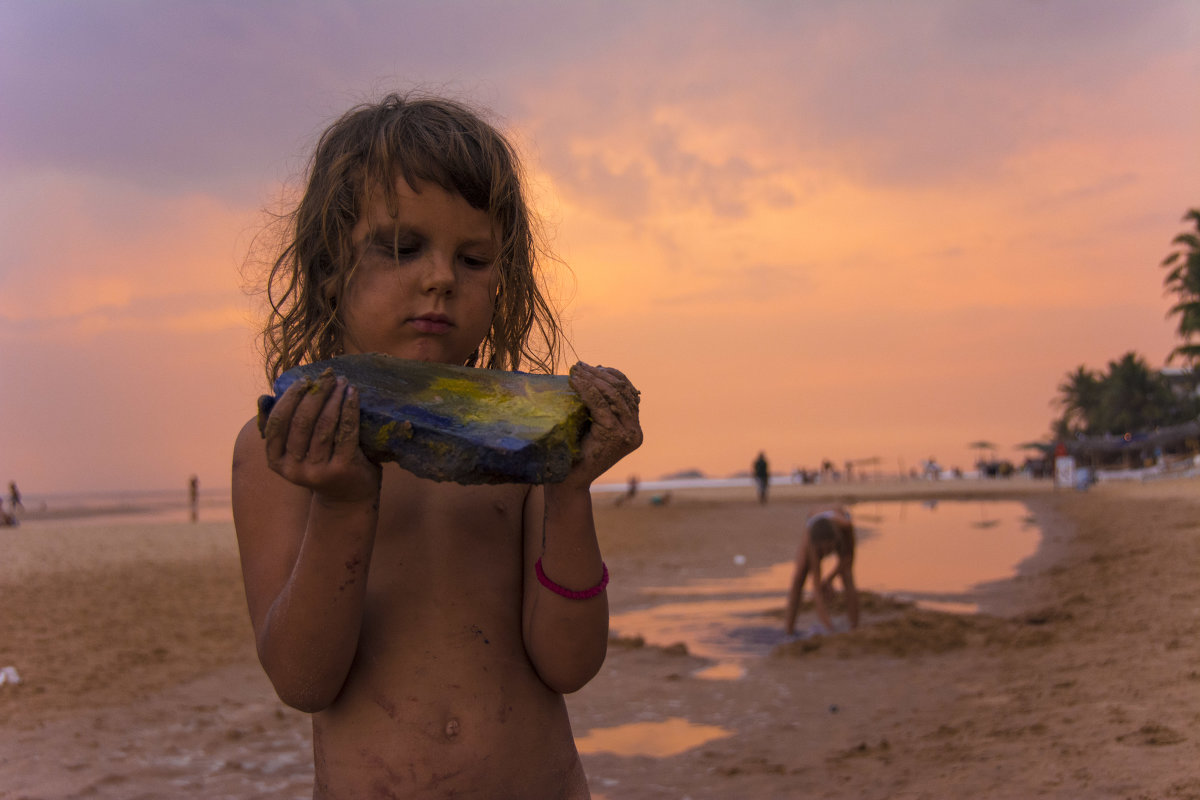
431, 324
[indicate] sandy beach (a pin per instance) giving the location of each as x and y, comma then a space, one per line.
1078, 678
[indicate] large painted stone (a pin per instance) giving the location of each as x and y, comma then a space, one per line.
457, 424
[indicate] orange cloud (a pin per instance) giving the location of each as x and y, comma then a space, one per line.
95, 250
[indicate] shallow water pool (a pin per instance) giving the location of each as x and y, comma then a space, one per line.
935, 554
659, 739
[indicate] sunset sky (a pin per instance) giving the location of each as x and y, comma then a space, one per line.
826, 230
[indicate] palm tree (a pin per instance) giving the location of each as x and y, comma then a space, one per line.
1183, 280
1133, 397
1129, 397
1079, 397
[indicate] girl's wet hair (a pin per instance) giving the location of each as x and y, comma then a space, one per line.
840, 540
419, 139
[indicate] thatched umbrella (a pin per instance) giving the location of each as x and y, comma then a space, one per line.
982, 445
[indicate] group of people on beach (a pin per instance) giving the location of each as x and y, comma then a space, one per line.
430, 629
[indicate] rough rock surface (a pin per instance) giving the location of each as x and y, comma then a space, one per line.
458, 424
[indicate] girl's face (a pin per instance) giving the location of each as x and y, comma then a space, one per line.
425, 285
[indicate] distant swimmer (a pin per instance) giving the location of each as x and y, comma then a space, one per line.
829, 532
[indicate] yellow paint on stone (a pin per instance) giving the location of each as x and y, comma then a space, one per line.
475, 401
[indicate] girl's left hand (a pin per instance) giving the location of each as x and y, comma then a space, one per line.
615, 432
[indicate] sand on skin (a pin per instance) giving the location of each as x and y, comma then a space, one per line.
1081, 679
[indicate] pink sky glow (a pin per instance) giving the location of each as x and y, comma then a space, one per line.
823, 230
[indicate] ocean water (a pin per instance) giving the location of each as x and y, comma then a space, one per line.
131, 507
171, 505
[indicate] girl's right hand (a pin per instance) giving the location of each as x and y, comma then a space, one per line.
312, 440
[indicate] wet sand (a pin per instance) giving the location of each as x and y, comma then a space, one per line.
1079, 678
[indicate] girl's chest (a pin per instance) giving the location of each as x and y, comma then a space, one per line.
416, 508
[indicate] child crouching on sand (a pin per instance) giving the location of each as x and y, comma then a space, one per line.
828, 532
431, 629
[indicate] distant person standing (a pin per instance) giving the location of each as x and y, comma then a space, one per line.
762, 476
8, 517
631, 492
194, 497
829, 532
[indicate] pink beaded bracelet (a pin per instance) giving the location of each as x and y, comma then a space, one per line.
568, 593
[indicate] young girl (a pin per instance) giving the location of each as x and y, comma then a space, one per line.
431, 629
828, 532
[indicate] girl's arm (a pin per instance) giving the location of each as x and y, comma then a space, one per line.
846, 568
819, 603
305, 508
851, 591
566, 638
796, 590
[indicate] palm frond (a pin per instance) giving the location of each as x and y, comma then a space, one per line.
1189, 353
1176, 275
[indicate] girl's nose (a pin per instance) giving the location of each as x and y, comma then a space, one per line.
439, 276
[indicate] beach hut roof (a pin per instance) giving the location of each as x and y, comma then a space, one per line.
1113, 443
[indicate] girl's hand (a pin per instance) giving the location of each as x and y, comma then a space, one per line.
615, 432
312, 440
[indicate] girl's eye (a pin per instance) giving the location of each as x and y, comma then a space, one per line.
398, 250
476, 262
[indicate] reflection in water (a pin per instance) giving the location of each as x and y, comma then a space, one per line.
728, 628
722, 671
947, 606
944, 549
670, 737
933, 553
